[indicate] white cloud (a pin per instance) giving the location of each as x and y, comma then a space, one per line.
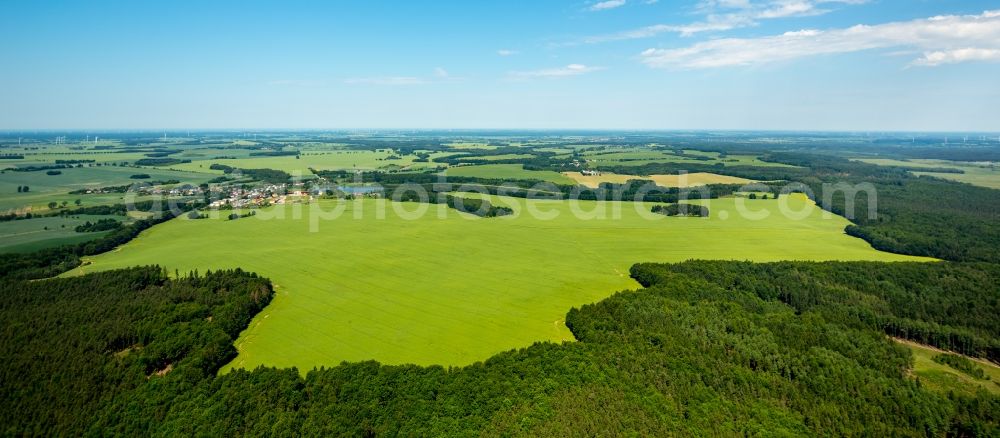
441, 73
933, 59
507, 52
712, 23
722, 15
569, 70
946, 39
607, 4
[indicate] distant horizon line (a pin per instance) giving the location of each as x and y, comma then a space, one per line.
561, 130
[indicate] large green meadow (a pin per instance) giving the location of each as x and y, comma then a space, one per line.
38, 233
977, 174
46, 188
509, 171
449, 288
325, 160
639, 157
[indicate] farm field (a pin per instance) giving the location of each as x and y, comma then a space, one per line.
468, 145
508, 171
497, 157
50, 157
942, 378
641, 157
46, 188
38, 233
332, 160
450, 288
686, 180
975, 174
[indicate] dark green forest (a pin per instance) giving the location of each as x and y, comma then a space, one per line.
79, 350
706, 348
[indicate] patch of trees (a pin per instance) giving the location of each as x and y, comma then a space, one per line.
234, 216
914, 215
972, 154
105, 210
140, 176
163, 153
41, 168
54, 261
100, 225
962, 364
79, 351
922, 216
952, 306
74, 161
165, 182
102, 210
53, 172
160, 161
23, 189
274, 153
481, 156
220, 179
265, 175
15, 217
950, 170
11, 157
727, 353
681, 209
478, 207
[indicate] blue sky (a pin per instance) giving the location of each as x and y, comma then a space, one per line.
617, 64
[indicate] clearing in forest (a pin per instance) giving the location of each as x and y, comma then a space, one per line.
383, 282
684, 180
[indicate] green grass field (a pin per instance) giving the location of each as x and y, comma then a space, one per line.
451, 288
686, 180
508, 171
47, 188
942, 378
34, 234
326, 160
497, 157
640, 157
975, 174
469, 145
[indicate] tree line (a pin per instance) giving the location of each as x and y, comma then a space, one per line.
706, 348
54, 261
76, 350
922, 216
265, 175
